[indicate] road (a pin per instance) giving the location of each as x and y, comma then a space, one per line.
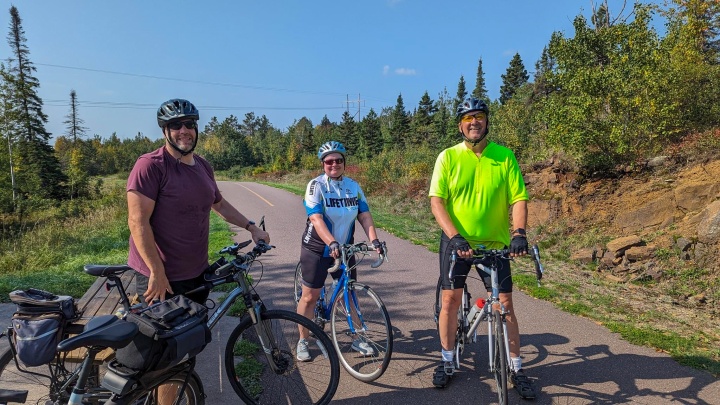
574, 360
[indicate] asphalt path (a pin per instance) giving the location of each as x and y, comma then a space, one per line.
572, 359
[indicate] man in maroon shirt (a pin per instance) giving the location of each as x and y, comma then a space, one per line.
170, 193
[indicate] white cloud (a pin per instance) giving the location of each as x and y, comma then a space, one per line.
386, 69
405, 72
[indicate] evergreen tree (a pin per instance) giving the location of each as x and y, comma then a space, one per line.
514, 77
41, 176
422, 129
399, 123
346, 133
480, 92
370, 133
73, 122
461, 94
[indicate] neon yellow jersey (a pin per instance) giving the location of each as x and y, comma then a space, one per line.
478, 191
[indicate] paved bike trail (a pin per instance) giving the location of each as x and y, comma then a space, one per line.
574, 360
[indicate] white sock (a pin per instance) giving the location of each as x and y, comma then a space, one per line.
516, 363
448, 355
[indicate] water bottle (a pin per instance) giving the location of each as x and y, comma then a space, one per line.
476, 310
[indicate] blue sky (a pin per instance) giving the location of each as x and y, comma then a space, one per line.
283, 59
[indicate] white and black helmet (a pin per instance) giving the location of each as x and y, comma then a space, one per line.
331, 147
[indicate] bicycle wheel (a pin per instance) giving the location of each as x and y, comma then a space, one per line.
170, 390
298, 284
278, 377
366, 353
500, 364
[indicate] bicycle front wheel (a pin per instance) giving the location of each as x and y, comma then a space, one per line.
270, 373
366, 347
500, 365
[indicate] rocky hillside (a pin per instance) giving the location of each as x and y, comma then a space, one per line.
652, 234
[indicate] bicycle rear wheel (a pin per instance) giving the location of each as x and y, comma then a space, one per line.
500, 366
366, 353
170, 390
278, 377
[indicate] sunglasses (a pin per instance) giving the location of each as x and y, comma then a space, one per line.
175, 126
478, 116
330, 162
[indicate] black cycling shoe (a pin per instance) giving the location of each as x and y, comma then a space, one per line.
523, 385
443, 373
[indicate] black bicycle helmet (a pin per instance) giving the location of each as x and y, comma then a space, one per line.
331, 147
471, 104
174, 109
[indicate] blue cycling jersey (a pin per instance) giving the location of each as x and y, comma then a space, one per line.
339, 202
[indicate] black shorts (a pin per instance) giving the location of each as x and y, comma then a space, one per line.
463, 266
314, 268
178, 287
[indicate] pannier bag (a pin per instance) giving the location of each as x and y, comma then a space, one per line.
38, 323
169, 331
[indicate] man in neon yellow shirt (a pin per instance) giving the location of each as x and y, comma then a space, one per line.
473, 186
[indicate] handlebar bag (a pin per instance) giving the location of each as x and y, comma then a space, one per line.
169, 332
38, 324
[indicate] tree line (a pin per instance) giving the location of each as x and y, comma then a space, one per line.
614, 93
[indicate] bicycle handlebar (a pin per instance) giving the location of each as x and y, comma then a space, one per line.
348, 250
482, 253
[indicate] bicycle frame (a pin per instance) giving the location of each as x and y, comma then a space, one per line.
342, 284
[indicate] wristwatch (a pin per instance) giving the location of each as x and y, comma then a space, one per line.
247, 227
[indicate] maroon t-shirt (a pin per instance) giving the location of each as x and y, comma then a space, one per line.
183, 198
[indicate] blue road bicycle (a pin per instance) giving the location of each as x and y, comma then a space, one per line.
359, 323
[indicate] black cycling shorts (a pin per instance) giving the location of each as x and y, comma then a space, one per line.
178, 287
462, 268
314, 268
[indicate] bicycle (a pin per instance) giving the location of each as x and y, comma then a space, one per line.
79, 383
259, 356
492, 311
357, 316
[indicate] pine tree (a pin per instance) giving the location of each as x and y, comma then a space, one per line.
370, 132
514, 77
399, 123
480, 92
346, 132
543, 67
422, 130
460, 95
40, 168
73, 122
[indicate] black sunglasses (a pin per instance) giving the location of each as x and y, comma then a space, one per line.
179, 124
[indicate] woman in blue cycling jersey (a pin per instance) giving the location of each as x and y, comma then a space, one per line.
333, 202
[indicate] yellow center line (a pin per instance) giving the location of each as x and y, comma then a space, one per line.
258, 195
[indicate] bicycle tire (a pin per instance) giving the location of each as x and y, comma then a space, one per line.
192, 394
500, 364
378, 334
297, 283
253, 379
